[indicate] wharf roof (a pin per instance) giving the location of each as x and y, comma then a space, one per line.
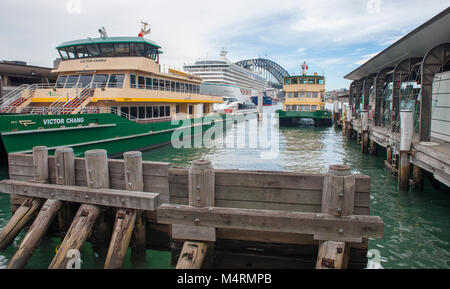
417, 43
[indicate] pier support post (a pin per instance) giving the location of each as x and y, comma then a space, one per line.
418, 179
365, 131
372, 147
30, 206
65, 175
260, 106
201, 194
124, 224
406, 133
97, 177
338, 198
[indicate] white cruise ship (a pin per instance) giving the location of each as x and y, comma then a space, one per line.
223, 78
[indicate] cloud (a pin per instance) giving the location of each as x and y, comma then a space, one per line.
333, 33
366, 58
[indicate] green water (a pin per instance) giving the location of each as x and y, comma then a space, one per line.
416, 232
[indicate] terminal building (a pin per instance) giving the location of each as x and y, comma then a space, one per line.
410, 78
16, 73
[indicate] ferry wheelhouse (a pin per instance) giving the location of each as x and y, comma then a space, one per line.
110, 93
304, 100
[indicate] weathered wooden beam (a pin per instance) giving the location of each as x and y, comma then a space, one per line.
120, 240
192, 255
79, 231
30, 206
125, 218
35, 234
19, 220
331, 255
75, 194
65, 175
272, 221
87, 215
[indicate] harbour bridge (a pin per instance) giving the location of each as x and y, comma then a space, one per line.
266, 65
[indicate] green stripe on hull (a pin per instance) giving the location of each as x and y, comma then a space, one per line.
292, 118
82, 132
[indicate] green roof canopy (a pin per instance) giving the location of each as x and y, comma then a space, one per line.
108, 40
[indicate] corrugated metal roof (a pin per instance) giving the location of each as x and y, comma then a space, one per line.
416, 44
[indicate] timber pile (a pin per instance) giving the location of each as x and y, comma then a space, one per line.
206, 217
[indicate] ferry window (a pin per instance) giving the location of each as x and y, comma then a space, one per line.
177, 108
132, 80
191, 109
155, 83
302, 94
124, 110
141, 111
308, 95
190, 88
107, 50
313, 107
116, 80
61, 80
85, 80
148, 112
71, 81
81, 51
64, 55
93, 50
133, 111
303, 80
100, 80
296, 94
289, 95
177, 86
137, 49
294, 107
315, 95
155, 111
287, 81
148, 83
182, 87
167, 110
288, 107
161, 84
320, 81
71, 52
294, 81
141, 82
167, 85
162, 111
122, 49
311, 81
113, 109
172, 86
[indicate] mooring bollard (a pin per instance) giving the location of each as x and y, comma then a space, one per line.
65, 175
406, 134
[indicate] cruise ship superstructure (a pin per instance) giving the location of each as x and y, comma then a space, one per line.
226, 79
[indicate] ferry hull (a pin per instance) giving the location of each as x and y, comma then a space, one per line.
82, 132
294, 118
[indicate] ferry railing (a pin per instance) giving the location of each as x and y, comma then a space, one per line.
9, 101
68, 96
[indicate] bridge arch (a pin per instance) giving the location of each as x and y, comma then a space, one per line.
272, 67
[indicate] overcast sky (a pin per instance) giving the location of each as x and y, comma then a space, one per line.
334, 37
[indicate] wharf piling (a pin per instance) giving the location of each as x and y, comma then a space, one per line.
207, 218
